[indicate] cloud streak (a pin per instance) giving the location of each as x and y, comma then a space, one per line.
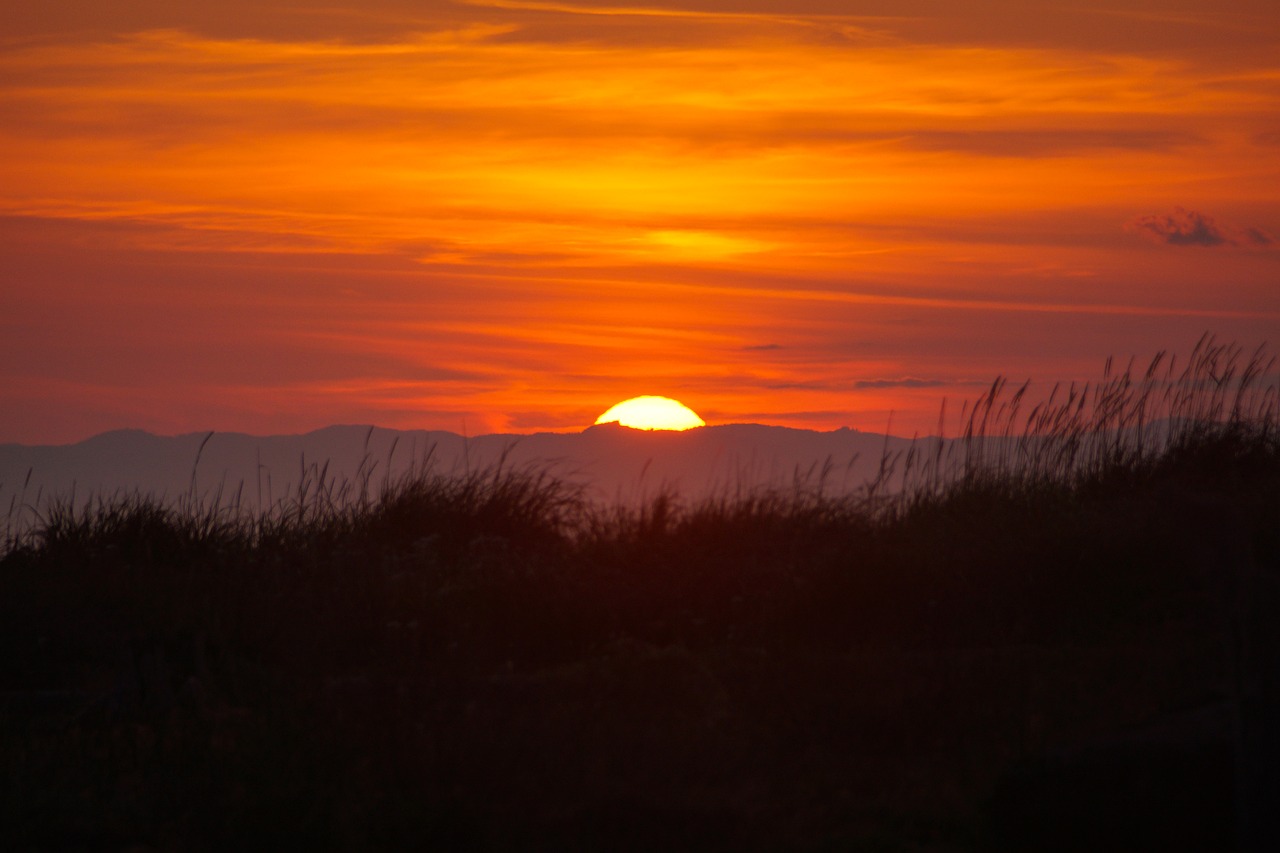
905, 382
522, 206
1184, 227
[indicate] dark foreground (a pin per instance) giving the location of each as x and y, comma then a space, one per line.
485, 664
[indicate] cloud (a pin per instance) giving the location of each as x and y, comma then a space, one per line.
1050, 142
801, 385
762, 348
905, 382
1185, 227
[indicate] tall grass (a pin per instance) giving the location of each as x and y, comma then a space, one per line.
1124, 421
487, 660
1220, 396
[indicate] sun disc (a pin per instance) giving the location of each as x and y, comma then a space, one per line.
649, 412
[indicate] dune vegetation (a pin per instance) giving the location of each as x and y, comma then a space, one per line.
1059, 631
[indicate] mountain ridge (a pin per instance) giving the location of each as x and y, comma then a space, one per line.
608, 460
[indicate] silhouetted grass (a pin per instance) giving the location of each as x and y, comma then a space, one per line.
487, 661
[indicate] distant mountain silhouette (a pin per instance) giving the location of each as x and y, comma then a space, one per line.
611, 461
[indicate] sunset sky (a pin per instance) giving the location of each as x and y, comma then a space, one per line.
506, 216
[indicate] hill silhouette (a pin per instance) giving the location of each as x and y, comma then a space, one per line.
610, 461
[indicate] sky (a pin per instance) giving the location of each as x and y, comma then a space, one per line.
508, 215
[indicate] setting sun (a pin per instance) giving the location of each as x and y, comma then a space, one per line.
650, 412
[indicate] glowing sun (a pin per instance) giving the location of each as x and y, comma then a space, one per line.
652, 413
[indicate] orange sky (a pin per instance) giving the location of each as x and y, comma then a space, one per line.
505, 216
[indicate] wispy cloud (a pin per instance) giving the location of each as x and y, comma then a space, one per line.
1050, 141
904, 382
1184, 227
525, 204
846, 22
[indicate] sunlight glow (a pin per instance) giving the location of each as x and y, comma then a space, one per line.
650, 412
487, 215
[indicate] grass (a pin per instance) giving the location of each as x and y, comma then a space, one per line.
488, 661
